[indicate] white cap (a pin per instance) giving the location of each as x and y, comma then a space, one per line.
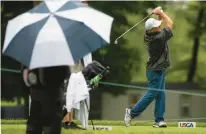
151, 23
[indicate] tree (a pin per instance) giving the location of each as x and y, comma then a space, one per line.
196, 33
11, 82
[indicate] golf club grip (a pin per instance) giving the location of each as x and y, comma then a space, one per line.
102, 74
107, 68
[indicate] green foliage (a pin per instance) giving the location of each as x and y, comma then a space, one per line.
196, 17
11, 103
8, 104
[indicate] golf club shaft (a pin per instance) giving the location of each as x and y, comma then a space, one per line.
133, 26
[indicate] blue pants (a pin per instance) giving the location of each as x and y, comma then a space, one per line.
156, 80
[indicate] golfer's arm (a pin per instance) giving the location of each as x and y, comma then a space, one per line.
168, 21
159, 17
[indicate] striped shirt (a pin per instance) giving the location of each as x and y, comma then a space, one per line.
158, 50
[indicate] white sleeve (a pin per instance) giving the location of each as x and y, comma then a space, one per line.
87, 59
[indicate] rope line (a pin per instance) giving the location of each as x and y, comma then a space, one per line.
129, 86
10, 70
140, 87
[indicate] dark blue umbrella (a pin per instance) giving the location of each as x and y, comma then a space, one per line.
56, 33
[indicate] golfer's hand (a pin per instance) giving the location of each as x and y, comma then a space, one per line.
25, 77
157, 11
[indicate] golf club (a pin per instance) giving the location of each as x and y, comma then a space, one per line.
116, 41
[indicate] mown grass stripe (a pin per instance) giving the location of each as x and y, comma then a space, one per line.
106, 122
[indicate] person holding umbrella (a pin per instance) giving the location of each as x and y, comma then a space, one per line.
47, 40
46, 94
155, 39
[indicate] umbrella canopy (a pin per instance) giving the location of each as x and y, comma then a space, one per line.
56, 33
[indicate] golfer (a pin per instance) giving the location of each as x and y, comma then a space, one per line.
155, 39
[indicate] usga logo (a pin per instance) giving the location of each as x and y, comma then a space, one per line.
187, 124
104, 128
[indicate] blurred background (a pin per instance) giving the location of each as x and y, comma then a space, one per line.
127, 60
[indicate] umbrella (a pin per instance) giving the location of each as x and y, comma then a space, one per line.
56, 33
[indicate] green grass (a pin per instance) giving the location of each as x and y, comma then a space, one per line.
104, 122
18, 126
8, 104
11, 103
20, 129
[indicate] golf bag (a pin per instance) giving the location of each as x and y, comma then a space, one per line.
89, 72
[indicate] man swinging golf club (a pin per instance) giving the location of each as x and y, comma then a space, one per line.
155, 39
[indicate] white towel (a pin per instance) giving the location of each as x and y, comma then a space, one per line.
76, 91
78, 95
83, 113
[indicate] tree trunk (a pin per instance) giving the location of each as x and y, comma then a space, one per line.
193, 66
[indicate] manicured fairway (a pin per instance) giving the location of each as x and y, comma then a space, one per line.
116, 129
